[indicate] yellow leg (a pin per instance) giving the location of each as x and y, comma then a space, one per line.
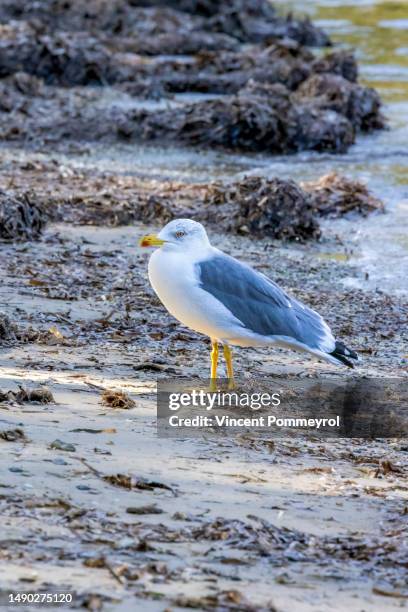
230, 368
214, 363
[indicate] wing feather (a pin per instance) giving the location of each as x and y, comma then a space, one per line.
260, 304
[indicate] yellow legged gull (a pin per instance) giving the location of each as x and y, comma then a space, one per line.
216, 295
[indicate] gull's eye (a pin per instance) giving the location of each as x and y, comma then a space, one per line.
180, 234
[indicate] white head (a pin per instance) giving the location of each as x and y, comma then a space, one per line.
179, 235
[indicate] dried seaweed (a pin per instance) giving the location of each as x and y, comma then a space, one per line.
256, 21
39, 395
361, 105
222, 600
312, 128
264, 207
149, 509
342, 63
284, 62
66, 59
20, 217
16, 90
156, 207
267, 207
333, 196
7, 328
117, 399
319, 106
12, 435
181, 43
226, 72
259, 118
280, 543
244, 20
42, 395
134, 482
282, 209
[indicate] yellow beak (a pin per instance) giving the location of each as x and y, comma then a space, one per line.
151, 240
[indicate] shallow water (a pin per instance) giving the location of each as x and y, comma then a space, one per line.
378, 32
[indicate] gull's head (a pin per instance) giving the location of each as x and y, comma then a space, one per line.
178, 235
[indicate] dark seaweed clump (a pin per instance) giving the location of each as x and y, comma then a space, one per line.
262, 207
7, 329
335, 196
322, 113
246, 21
20, 217
274, 208
269, 91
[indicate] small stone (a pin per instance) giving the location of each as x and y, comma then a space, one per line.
63, 446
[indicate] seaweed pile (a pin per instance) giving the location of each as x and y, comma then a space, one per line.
268, 90
274, 208
247, 21
258, 118
7, 330
262, 207
70, 43
282, 209
334, 196
20, 217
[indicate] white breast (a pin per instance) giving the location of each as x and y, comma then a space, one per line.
175, 280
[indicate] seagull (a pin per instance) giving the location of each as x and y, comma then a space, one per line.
230, 302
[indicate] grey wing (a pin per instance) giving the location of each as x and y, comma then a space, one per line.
260, 304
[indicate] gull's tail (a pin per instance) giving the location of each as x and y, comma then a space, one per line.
344, 355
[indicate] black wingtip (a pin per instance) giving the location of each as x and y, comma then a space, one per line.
344, 354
